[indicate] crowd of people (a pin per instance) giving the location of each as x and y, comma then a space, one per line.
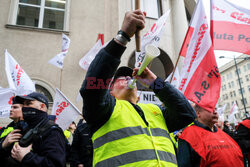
116, 129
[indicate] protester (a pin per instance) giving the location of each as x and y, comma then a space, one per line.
126, 132
226, 128
70, 131
242, 137
203, 144
44, 143
81, 154
12, 133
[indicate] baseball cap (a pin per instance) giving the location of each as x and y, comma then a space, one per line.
122, 71
33, 96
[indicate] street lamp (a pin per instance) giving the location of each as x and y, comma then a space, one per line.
241, 92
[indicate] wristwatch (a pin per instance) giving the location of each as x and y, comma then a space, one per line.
122, 37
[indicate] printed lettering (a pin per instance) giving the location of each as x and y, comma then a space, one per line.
61, 107
239, 16
205, 85
198, 95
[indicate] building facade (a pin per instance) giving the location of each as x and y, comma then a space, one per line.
230, 87
31, 31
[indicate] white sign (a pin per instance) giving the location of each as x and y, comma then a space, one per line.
148, 97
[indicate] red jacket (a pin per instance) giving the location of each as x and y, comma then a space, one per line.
216, 149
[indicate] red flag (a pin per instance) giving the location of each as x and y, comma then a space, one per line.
200, 77
230, 27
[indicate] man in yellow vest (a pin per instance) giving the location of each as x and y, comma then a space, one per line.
124, 132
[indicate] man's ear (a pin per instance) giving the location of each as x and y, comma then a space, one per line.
43, 107
138, 99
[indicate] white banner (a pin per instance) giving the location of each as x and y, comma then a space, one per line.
153, 37
64, 110
148, 97
89, 57
221, 110
6, 96
233, 111
17, 78
59, 58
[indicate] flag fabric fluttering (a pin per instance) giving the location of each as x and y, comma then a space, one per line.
153, 37
200, 78
59, 58
89, 57
176, 78
230, 26
233, 111
6, 95
64, 110
17, 78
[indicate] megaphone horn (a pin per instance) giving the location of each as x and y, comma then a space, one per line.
151, 52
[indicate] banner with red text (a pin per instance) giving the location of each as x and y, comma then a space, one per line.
59, 58
89, 57
6, 96
17, 78
230, 27
200, 78
64, 110
152, 36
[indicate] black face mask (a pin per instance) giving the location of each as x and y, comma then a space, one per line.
33, 116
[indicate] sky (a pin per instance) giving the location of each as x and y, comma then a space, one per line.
218, 53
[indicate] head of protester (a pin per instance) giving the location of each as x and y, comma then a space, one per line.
35, 107
125, 132
16, 111
203, 143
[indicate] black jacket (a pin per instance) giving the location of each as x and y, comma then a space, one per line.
99, 104
81, 148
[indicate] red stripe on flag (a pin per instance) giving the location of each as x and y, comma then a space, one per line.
186, 42
230, 36
204, 86
101, 36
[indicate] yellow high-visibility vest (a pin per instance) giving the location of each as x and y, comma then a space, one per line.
6, 132
125, 140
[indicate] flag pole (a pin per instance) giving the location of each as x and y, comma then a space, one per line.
137, 34
177, 61
61, 79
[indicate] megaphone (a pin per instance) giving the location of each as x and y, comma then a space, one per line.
151, 52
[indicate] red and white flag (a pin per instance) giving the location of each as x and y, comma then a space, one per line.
176, 78
233, 111
6, 96
152, 36
230, 27
89, 57
64, 110
59, 58
17, 77
200, 78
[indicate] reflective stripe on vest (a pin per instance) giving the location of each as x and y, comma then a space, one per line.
126, 139
126, 132
135, 156
6, 131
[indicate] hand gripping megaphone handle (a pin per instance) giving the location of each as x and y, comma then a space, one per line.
151, 52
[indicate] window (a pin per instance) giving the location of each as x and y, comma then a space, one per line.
42, 13
232, 83
151, 7
243, 90
247, 77
231, 94
241, 81
223, 78
248, 88
238, 71
234, 93
248, 66
229, 85
229, 75
245, 101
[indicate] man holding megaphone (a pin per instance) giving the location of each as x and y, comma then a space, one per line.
125, 132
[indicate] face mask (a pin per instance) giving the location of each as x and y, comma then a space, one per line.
33, 115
